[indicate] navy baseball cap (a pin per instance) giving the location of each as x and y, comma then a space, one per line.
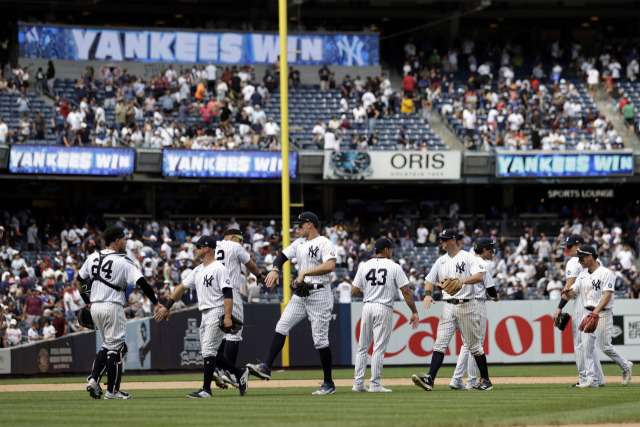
587, 250
382, 243
206, 241
573, 239
307, 217
485, 243
448, 233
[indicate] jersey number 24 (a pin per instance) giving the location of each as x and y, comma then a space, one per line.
107, 268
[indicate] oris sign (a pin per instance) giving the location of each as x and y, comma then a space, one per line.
517, 332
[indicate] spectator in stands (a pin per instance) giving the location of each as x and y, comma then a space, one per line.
60, 323
408, 84
629, 114
272, 134
13, 334
347, 87
406, 105
323, 75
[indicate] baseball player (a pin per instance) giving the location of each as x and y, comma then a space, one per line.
231, 254
316, 260
109, 271
215, 299
484, 250
460, 311
572, 271
596, 284
377, 282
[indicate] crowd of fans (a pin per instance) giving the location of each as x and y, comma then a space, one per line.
503, 103
39, 292
198, 108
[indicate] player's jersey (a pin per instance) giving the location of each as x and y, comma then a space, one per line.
380, 279
487, 279
232, 255
110, 272
310, 254
573, 269
462, 265
209, 282
593, 285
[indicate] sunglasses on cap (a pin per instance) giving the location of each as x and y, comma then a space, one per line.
239, 237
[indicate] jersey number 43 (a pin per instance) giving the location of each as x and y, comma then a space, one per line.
377, 277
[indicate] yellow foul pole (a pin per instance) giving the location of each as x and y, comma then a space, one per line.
284, 143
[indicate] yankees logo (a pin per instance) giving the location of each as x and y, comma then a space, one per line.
596, 285
313, 252
460, 268
208, 281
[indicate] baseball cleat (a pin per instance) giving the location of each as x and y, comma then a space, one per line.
423, 381
94, 389
378, 389
471, 385
243, 383
229, 378
217, 377
325, 388
260, 370
483, 385
202, 393
455, 385
626, 375
576, 384
117, 395
359, 388
587, 384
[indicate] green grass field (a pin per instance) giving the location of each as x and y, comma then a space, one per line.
406, 406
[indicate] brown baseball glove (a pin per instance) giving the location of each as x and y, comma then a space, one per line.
451, 285
589, 323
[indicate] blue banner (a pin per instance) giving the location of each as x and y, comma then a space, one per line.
102, 44
225, 164
523, 165
71, 160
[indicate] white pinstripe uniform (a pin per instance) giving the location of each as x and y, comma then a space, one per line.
319, 304
462, 315
592, 286
573, 269
106, 302
232, 255
380, 279
466, 363
209, 282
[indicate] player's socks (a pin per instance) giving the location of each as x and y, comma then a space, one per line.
436, 362
481, 361
99, 364
276, 347
231, 351
326, 360
223, 363
209, 368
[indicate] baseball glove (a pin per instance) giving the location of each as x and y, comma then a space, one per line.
562, 320
234, 329
451, 285
589, 323
85, 319
300, 289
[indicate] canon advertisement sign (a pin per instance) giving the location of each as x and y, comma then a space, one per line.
517, 332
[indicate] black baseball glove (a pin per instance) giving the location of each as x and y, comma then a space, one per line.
562, 320
300, 289
84, 318
235, 327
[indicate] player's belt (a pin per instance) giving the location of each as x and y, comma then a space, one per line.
314, 286
591, 308
456, 301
